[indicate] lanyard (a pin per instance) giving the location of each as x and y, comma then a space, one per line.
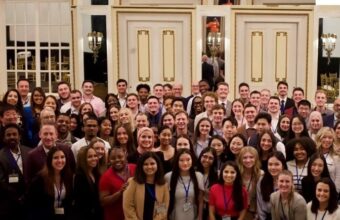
282, 209
297, 173
186, 189
249, 184
151, 192
206, 182
225, 199
59, 194
324, 214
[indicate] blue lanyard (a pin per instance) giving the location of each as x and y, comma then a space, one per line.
186, 189
226, 202
297, 173
151, 192
283, 211
59, 194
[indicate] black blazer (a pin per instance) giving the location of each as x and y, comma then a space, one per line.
86, 197
40, 204
11, 194
208, 73
289, 103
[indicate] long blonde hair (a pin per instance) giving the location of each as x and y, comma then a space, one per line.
321, 134
288, 173
256, 168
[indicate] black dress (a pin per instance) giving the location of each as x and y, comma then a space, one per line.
86, 197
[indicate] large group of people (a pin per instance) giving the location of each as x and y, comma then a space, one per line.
155, 154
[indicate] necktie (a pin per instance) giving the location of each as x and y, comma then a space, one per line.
223, 104
282, 107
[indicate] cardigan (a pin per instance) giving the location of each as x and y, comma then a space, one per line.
297, 206
133, 200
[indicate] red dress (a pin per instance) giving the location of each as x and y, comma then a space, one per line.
112, 183
217, 200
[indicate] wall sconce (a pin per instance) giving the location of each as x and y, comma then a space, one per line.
95, 43
328, 44
214, 42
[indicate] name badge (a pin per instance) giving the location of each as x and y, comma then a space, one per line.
187, 206
226, 217
59, 211
13, 178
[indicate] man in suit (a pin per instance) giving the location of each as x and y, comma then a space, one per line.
282, 91
12, 183
222, 94
207, 71
331, 120
37, 157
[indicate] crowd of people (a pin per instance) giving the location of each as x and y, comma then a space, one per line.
154, 154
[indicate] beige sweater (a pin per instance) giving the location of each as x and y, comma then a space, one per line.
133, 200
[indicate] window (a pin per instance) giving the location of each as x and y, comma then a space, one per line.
38, 43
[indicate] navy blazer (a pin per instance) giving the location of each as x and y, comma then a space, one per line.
11, 193
37, 157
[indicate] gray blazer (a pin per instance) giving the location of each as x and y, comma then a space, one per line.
297, 207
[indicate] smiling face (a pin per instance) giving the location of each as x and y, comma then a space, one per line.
236, 145
106, 127
229, 175
297, 126
237, 108
285, 183
145, 140
118, 159
114, 113
150, 166
182, 143
327, 141
204, 127
300, 153
38, 97
284, 124
317, 167
248, 160
50, 102
274, 166
92, 158
58, 161
322, 192
165, 137
169, 121
122, 135
12, 98
99, 147
266, 142
218, 146
185, 162
207, 159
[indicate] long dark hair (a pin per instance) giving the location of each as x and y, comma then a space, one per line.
33, 104
19, 106
333, 197
130, 146
283, 134
267, 183
291, 133
274, 142
237, 185
47, 173
212, 176
175, 176
82, 165
315, 156
140, 176
307, 144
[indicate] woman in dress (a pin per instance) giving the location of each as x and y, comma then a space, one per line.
147, 193
207, 162
114, 182
228, 198
324, 205
285, 203
165, 135
268, 184
317, 169
249, 165
186, 188
86, 197
50, 193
